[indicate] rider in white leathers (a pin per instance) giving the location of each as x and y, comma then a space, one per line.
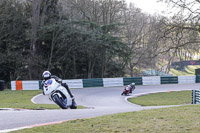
47, 75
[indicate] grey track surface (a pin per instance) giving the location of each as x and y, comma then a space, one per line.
102, 101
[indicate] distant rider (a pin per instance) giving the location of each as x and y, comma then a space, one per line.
47, 75
129, 88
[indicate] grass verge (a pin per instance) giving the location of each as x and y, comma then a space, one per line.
165, 98
22, 100
189, 70
184, 119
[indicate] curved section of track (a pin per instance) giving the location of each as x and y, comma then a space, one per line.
101, 101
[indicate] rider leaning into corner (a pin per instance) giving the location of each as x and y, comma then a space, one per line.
129, 88
47, 75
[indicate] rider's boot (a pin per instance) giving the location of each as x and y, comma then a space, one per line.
73, 100
74, 105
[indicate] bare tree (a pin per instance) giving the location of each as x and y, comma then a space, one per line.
33, 63
142, 34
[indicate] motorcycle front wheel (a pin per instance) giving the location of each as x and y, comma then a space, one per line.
60, 101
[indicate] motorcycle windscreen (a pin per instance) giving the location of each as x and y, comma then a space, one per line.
48, 88
48, 82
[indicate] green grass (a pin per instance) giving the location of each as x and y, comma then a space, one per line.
22, 100
165, 98
183, 119
175, 72
189, 70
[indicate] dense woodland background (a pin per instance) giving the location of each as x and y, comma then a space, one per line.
92, 38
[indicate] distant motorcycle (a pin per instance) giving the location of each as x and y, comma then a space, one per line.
57, 93
128, 89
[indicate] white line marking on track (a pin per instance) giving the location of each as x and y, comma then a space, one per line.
31, 126
32, 100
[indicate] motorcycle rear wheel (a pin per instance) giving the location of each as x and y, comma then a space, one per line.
60, 101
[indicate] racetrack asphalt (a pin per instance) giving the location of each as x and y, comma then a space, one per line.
100, 101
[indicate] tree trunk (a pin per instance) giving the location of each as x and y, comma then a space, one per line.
131, 69
103, 64
74, 66
51, 54
33, 59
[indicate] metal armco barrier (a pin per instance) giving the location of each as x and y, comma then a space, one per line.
197, 78
98, 82
108, 82
169, 80
136, 80
2, 85
196, 96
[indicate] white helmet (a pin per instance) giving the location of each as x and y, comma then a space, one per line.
132, 84
46, 75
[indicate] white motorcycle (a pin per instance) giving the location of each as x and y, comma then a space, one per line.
57, 93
